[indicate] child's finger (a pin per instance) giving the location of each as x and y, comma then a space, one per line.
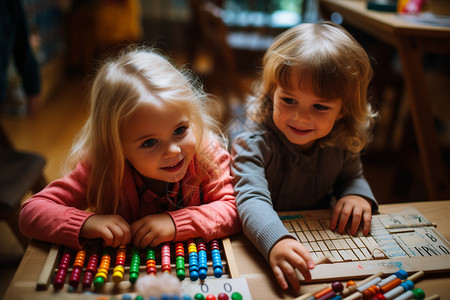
335, 216
356, 220
343, 218
108, 237
307, 261
304, 270
279, 276
293, 280
126, 233
135, 226
117, 233
367, 219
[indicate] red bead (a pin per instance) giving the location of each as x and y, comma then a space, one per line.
337, 286
222, 296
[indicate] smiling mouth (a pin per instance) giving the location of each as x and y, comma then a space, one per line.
299, 131
175, 167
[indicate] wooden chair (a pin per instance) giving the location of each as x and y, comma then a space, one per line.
209, 31
20, 172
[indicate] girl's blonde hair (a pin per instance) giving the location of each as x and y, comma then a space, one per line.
119, 87
330, 63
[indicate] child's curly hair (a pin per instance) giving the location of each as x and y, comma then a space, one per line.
330, 63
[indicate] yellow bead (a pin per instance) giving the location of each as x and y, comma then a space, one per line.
103, 271
119, 268
117, 277
101, 274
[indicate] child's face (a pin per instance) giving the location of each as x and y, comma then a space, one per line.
159, 141
302, 117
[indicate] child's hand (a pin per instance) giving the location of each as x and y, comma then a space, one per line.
153, 230
113, 229
286, 256
353, 206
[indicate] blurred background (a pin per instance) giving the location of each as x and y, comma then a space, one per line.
223, 42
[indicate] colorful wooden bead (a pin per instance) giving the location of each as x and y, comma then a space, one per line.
119, 269
103, 269
216, 259
202, 260
179, 260
91, 268
60, 277
165, 258
134, 265
193, 260
151, 262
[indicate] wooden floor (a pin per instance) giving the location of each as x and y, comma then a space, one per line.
52, 131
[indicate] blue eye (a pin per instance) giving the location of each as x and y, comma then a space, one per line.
321, 107
149, 143
180, 130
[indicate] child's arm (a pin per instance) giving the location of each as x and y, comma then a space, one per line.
286, 256
261, 222
57, 213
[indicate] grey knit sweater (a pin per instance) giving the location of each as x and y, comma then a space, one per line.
271, 175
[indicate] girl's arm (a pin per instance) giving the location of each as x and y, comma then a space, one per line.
217, 216
260, 222
56, 214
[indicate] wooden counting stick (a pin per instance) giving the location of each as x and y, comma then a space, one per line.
49, 266
433, 297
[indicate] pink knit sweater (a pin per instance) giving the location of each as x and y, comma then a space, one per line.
57, 213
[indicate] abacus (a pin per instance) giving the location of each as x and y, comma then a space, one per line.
105, 270
404, 240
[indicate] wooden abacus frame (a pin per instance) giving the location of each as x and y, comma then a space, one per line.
228, 261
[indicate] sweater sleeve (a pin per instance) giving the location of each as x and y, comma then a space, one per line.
57, 213
351, 181
260, 222
217, 216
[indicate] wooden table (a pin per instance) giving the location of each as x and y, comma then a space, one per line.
250, 263
411, 40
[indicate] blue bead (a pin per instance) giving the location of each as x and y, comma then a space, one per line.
126, 297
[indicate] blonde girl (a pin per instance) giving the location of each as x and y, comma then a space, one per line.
309, 120
149, 167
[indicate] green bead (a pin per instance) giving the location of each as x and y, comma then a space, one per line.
199, 296
236, 296
133, 277
181, 274
139, 297
418, 293
180, 264
98, 282
150, 253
